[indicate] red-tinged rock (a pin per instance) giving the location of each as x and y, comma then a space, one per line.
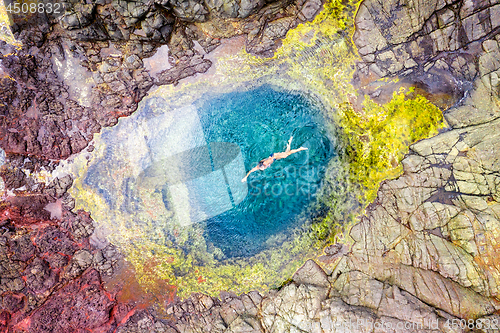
55, 240
25, 209
122, 312
13, 302
81, 305
39, 277
4, 320
22, 248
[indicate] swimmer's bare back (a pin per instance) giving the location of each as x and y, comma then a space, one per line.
265, 163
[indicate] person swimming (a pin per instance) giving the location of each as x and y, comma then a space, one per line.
265, 163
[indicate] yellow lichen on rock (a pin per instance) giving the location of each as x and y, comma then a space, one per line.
377, 139
5, 33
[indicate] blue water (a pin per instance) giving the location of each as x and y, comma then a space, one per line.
261, 121
202, 150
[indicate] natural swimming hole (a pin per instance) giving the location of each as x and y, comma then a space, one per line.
169, 169
261, 122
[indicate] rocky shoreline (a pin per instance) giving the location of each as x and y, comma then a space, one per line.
86, 70
424, 253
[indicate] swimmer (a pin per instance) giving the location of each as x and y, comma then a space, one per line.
265, 163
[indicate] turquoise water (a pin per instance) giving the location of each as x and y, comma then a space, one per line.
192, 159
260, 122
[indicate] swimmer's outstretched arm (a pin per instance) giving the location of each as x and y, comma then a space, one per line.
249, 172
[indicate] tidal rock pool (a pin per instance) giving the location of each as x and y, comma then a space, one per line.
165, 185
195, 158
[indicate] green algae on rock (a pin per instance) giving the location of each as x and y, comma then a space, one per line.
378, 137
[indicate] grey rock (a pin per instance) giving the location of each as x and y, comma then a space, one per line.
79, 225
79, 263
106, 260
191, 10
224, 8
310, 9
58, 187
311, 273
247, 7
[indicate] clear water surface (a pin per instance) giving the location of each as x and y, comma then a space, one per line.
261, 121
164, 149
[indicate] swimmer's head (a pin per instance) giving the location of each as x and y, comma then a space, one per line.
263, 164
